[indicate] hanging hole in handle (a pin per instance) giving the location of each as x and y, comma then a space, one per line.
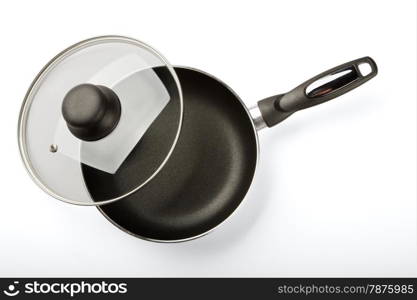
365, 68
330, 83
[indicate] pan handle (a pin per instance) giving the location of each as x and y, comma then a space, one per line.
319, 89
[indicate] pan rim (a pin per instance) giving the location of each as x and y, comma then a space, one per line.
255, 133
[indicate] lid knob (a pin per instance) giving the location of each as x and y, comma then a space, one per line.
91, 111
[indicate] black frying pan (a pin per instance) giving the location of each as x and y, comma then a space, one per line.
213, 164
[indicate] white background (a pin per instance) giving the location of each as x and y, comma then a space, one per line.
335, 192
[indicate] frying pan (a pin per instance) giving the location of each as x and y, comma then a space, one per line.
213, 164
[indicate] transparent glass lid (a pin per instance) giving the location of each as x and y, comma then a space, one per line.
100, 120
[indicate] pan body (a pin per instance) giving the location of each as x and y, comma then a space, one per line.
206, 177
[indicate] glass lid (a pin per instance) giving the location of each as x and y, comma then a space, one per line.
100, 120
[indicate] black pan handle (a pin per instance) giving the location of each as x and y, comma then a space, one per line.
319, 89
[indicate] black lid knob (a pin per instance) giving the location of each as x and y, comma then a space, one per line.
91, 111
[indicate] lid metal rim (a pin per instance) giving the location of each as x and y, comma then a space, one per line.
28, 101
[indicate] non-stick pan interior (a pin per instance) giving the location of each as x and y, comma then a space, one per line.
204, 180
